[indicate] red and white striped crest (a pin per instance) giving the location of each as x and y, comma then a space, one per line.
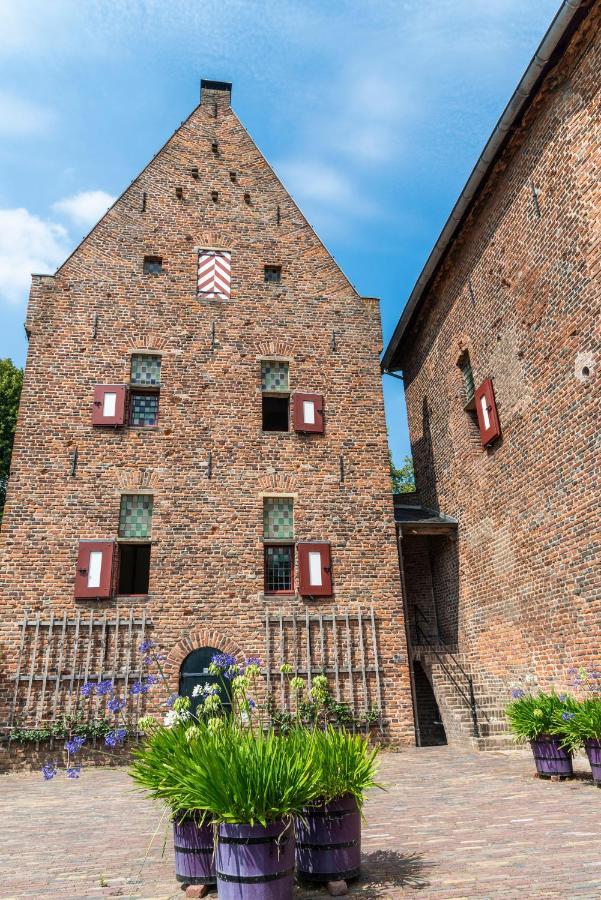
214, 273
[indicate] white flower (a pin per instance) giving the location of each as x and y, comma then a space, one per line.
174, 716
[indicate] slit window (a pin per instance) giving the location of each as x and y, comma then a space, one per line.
273, 274
153, 265
134, 568
469, 387
275, 396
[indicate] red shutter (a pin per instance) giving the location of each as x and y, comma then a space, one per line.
314, 570
307, 411
109, 404
94, 573
486, 410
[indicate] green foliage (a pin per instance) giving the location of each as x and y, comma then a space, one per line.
233, 774
329, 711
344, 763
582, 722
403, 476
11, 381
531, 716
62, 729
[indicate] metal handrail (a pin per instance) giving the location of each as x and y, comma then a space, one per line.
469, 698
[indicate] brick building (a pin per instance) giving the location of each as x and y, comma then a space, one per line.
201, 450
499, 351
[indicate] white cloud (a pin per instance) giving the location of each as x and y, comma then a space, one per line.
84, 209
23, 118
28, 245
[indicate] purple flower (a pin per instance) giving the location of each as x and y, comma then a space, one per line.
49, 771
171, 700
563, 697
251, 703
104, 687
75, 744
115, 738
517, 693
567, 716
145, 646
116, 705
87, 689
73, 771
138, 687
223, 660
152, 679
252, 661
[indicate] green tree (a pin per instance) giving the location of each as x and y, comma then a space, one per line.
403, 477
11, 381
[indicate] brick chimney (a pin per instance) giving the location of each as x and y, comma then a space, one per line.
215, 94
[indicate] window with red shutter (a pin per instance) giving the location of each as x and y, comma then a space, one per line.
486, 410
94, 573
314, 569
307, 411
109, 404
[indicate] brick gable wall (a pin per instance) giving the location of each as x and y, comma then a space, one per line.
207, 551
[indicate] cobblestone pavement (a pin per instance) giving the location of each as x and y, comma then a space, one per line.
452, 825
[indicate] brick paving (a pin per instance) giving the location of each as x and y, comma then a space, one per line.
452, 824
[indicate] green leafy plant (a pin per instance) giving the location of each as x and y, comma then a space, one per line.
531, 716
232, 773
580, 723
61, 730
344, 763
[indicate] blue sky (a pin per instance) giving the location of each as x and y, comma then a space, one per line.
372, 114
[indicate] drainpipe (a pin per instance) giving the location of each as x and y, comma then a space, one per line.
418, 737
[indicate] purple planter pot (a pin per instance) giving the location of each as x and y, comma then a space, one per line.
593, 751
194, 852
255, 863
550, 758
328, 841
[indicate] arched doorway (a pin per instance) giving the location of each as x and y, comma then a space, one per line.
194, 671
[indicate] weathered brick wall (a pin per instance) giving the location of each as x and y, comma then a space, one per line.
528, 507
207, 550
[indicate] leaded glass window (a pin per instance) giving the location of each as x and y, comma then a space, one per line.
146, 369
144, 410
135, 516
278, 518
278, 569
274, 376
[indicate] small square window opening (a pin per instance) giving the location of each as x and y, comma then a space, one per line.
153, 265
134, 568
279, 569
273, 273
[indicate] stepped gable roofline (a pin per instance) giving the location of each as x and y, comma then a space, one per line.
569, 16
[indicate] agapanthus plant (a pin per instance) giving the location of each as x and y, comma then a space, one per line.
532, 716
580, 723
